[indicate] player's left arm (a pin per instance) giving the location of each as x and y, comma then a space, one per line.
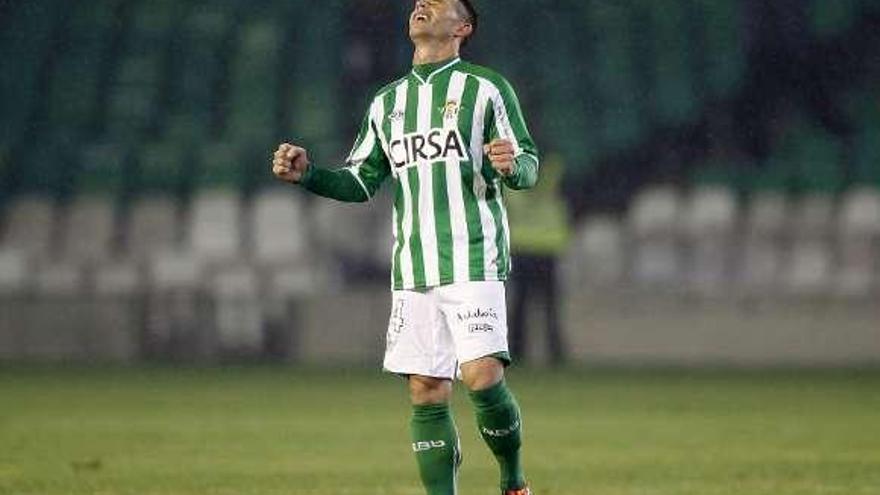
512, 151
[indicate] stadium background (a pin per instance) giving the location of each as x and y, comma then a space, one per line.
723, 175
722, 170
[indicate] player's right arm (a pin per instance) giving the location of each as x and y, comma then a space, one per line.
357, 182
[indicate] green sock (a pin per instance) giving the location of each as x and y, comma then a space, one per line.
435, 443
500, 426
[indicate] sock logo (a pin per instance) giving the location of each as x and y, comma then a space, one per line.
432, 444
501, 432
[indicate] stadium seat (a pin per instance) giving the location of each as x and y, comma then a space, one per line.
73, 93
219, 165
867, 159
139, 69
767, 214
14, 272
205, 22
614, 75
672, 96
118, 279
821, 169
773, 176
176, 323
599, 251
88, 229
858, 243
255, 171
312, 40
381, 209
653, 224
47, 169
720, 171
725, 57
295, 282
309, 119
59, 279
805, 158
570, 118
152, 227
163, 168
350, 241
132, 112
102, 168
237, 313
198, 67
134, 96
709, 211
278, 219
282, 251
255, 83
30, 226
808, 268
175, 270
152, 23
337, 228
187, 128
859, 214
24, 51
709, 221
655, 209
813, 216
214, 226
761, 256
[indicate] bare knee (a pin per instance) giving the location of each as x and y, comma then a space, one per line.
428, 390
482, 373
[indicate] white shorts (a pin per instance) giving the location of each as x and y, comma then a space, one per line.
432, 331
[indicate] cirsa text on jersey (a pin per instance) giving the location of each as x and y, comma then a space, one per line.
427, 147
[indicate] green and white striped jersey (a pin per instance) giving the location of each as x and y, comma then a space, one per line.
427, 131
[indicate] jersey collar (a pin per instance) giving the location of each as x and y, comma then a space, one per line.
431, 70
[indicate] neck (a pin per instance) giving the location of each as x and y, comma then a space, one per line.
434, 51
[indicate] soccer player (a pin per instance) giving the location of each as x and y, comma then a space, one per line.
451, 135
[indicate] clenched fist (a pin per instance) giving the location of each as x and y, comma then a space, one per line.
290, 163
500, 153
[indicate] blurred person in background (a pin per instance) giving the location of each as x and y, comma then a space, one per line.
451, 134
540, 233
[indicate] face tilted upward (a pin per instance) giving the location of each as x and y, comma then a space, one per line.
435, 19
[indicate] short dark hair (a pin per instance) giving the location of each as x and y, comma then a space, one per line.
472, 17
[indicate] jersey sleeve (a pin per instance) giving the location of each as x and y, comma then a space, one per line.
367, 167
367, 161
508, 123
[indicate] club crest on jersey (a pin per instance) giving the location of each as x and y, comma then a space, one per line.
435, 145
450, 110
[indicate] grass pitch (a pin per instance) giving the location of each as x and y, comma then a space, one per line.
287, 431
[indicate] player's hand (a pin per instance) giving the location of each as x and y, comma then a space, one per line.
500, 153
290, 163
